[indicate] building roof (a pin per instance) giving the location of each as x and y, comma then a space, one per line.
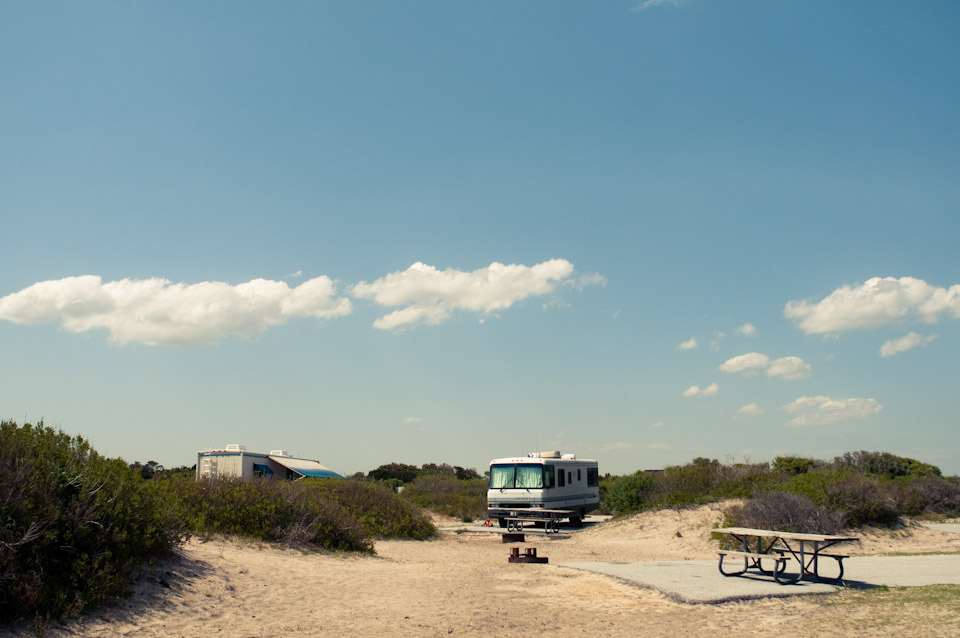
304, 467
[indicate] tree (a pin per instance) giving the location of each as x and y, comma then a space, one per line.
399, 471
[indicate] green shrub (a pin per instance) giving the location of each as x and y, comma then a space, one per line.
700, 482
792, 465
331, 514
380, 511
73, 524
400, 471
886, 465
814, 483
870, 488
448, 495
628, 494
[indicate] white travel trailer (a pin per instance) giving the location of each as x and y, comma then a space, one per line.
544, 481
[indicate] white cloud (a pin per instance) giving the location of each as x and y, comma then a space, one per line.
877, 302
647, 4
746, 361
586, 279
822, 410
689, 344
751, 409
412, 419
658, 424
785, 367
747, 330
156, 312
908, 342
430, 296
789, 368
695, 391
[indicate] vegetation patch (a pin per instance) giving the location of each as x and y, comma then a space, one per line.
465, 499
795, 494
73, 524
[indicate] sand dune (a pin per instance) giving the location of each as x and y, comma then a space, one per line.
461, 584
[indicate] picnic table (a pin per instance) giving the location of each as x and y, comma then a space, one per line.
779, 547
516, 518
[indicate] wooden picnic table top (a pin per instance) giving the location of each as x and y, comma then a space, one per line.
534, 510
769, 533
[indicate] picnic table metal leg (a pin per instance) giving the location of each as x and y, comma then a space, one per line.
720, 566
780, 576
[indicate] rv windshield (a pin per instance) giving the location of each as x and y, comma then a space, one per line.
516, 476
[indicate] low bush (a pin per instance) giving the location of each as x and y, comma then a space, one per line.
628, 494
792, 465
268, 510
863, 501
787, 512
869, 488
380, 511
73, 524
934, 495
885, 465
448, 495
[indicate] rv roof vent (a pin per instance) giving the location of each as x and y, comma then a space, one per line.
550, 454
568, 456
233, 447
279, 453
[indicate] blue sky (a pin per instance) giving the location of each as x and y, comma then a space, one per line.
421, 232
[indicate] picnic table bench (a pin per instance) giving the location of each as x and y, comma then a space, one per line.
550, 518
779, 547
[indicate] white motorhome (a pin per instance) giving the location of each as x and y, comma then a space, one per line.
543, 480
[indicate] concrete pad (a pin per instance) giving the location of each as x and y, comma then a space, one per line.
699, 581
903, 571
944, 527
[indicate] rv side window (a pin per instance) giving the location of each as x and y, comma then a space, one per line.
570, 477
548, 476
593, 477
578, 475
560, 476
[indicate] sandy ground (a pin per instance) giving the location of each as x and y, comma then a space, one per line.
462, 584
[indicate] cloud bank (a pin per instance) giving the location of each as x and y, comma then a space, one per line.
430, 296
823, 410
156, 312
879, 301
